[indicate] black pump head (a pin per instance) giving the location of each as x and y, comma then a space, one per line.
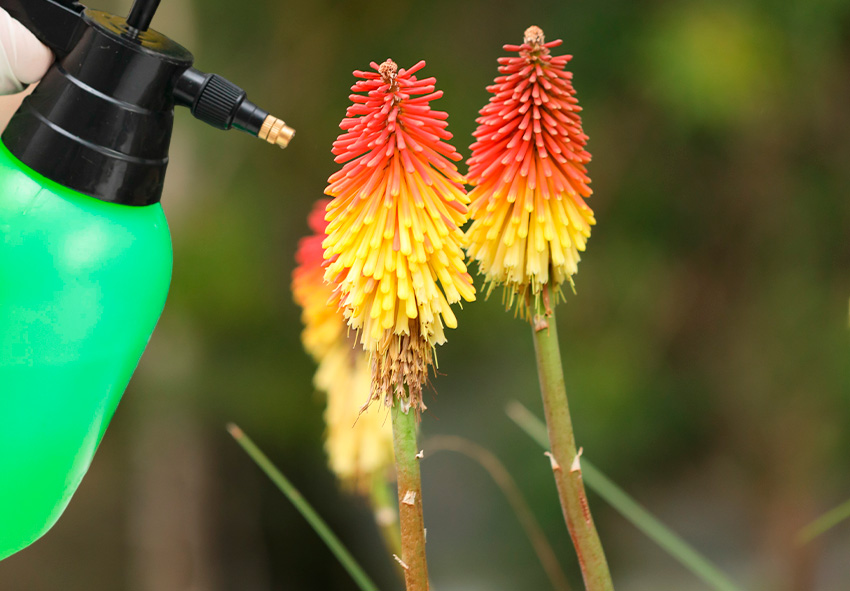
100, 121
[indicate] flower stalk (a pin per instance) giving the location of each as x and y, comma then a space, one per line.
530, 224
394, 257
566, 462
407, 458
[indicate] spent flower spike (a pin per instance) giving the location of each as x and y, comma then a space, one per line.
359, 445
394, 245
530, 220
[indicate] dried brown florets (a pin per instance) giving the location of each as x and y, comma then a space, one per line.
388, 71
534, 36
405, 363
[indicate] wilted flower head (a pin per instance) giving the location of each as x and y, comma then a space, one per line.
530, 221
359, 445
393, 240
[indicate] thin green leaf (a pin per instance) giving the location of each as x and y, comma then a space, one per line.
317, 523
503, 479
629, 508
823, 523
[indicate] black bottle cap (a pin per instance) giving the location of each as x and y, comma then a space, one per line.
100, 120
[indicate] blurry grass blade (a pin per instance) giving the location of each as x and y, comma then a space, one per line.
823, 523
317, 523
385, 512
503, 479
629, 508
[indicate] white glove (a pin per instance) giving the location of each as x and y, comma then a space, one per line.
23, 58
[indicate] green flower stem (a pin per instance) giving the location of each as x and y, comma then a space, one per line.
642, 519
385, 512
409, 497
317, 523
565, 461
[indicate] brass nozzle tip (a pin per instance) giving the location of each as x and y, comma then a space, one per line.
276, 132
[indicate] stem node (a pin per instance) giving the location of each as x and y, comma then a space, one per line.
576, 465
555, 465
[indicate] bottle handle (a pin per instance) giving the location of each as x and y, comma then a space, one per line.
56, 23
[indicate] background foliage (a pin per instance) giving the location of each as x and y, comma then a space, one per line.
706, 347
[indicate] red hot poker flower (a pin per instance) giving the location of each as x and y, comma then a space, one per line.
393, 240
359, 445
530, 220
323, 324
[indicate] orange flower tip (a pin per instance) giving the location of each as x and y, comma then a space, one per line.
534, 36
415, 68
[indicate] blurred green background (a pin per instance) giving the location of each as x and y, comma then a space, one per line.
706, 349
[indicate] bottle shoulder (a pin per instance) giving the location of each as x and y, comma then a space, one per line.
75, 233
25, 192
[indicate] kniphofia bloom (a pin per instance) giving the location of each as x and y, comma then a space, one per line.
530, 222
530, 219
359, 445
324, 327
393, 241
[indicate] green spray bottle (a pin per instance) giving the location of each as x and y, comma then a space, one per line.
85, 250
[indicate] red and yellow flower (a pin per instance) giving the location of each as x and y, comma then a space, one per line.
324, 328
530, 219
394, 245
359, 444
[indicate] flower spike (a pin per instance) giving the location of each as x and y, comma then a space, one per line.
393, 245
324, 327
530, 220
359, 444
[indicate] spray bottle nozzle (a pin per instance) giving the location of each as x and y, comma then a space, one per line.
222, 104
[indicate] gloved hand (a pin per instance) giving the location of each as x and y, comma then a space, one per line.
23, 58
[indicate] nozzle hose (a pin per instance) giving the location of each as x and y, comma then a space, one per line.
141, 14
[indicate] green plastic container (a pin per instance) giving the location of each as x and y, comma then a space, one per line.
85, 251
82, 285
